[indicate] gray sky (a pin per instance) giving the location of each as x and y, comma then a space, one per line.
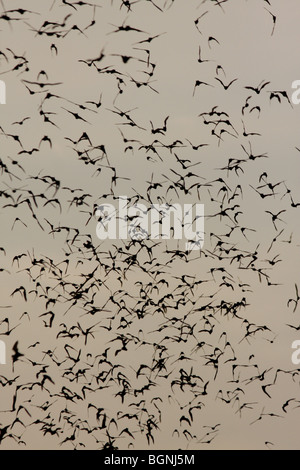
246, 51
